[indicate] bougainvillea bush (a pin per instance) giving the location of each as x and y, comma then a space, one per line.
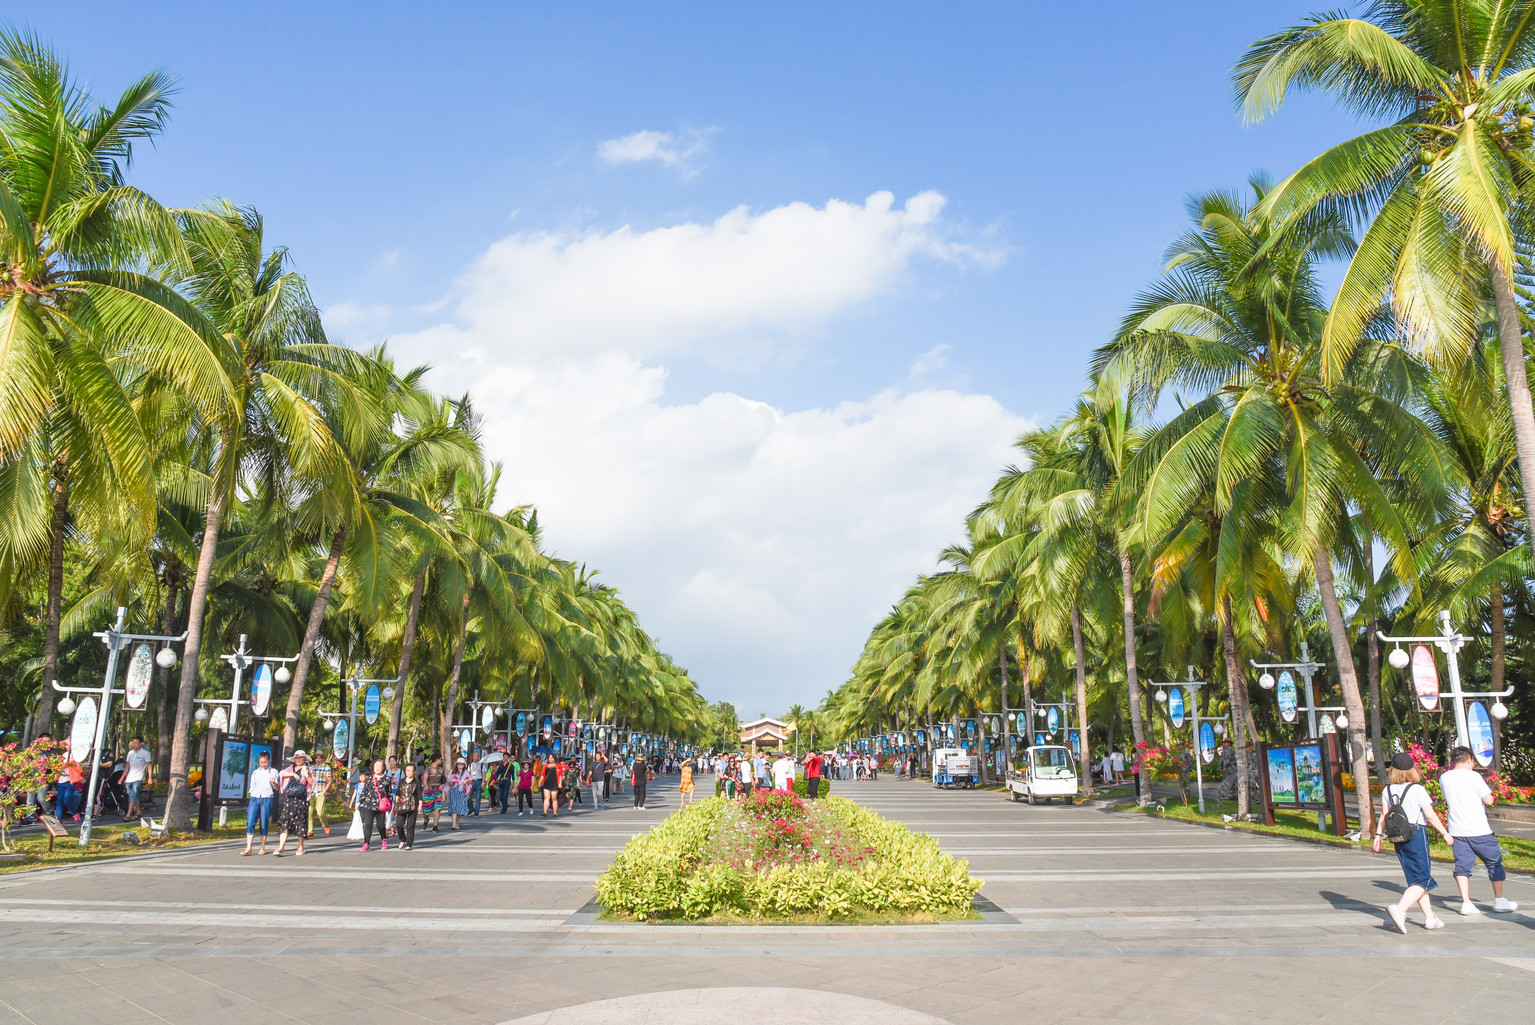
775, 856
23, 770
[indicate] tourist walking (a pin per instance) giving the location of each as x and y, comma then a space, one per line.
641, 777
1468, 797
432, 786
525, 789
140, 774
813, 775
320, 775
593, 779
373, 802
476, 782
407, 805
258, 807
1406, 812
504, 780
549, 786
685, 784
458, 792
294, 783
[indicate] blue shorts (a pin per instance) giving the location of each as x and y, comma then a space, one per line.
133, 791
1469, 848
1414, 858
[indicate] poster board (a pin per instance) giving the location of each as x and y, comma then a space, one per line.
1304, 776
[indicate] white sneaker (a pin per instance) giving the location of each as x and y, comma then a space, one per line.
1398, 918
1504, 905
1469, 908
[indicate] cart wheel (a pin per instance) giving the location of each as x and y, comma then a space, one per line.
1015, 795
1032, 798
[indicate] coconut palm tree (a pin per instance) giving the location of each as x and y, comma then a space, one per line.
79, 318
1447, 178
1281, 450
283, 373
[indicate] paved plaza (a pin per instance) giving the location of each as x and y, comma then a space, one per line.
1100, 917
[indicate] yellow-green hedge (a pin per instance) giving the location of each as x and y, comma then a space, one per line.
659, 875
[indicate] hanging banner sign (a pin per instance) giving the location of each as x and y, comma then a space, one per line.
261, 689
465, 741
140, 668
82, 730
522, 724
339, 739
1288, 703
1023, 722
555, 747
1425, 677
548, 724
1076, 743
371, 705
487, 719
219, 720
1206, 742
1479, 725
1053, 719
573, 729
1175, 707
1040, 740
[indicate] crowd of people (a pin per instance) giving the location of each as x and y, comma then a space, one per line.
392, 800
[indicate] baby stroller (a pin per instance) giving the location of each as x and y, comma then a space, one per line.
111, 795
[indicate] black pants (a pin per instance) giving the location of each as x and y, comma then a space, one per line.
369, 817
639, 795
813, 786
405, 827
524, 794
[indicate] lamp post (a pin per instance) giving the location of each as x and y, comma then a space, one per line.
115, 639
1195, 721
239, 660
1307, 669
355, 685
1450, 642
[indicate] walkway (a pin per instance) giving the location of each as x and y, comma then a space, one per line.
1115, 917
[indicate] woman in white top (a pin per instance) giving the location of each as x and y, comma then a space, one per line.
1406, 792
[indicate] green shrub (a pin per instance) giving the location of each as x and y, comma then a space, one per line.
664, 874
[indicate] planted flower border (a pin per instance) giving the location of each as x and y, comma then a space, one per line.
776, 857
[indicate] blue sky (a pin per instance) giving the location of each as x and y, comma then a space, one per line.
760, 428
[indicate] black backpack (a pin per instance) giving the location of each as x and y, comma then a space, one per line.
1394, 825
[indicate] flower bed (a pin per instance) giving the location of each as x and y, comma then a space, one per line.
776, 857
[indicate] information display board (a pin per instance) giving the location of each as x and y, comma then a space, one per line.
1305, 776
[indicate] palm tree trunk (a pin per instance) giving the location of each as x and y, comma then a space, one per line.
407, 644
1236, 684
54, 613
1353, 704
1076, 642
164, 715
311, 634
178, 804
1511, 341
458, 665
1499, 645
1132, 675
1372, 663
1007, 719
1028, 689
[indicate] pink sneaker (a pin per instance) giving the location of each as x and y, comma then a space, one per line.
364, 847
383, 845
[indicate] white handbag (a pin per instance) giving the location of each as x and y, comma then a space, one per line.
355, 833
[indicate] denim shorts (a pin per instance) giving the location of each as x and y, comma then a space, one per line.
133, 791
1414, 858
1469, 848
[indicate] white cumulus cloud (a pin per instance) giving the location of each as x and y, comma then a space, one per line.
759, 543
775, 273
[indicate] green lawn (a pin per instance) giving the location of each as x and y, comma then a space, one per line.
1518, 852
107, 842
